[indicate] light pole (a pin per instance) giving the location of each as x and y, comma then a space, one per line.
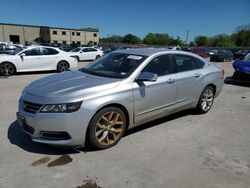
187, 37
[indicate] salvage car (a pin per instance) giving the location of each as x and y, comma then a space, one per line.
221, 55
242, 70
199, 51
241, 54
119, 91
86, 53
35, 58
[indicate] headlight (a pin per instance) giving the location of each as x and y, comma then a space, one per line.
61, 108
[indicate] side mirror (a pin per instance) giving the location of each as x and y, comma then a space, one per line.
147, 76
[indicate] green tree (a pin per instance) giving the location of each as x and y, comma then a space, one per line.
161, 39
201, 40
242, 38
222, 40
191, 43
149, 39
131, 39
177, 41
112, 39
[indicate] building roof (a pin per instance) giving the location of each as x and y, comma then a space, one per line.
63, 28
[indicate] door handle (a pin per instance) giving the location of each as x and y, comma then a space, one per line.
197, 75
170, 80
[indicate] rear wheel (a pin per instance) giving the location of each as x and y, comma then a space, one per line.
107, 127
7, 69
206, 100
62, 66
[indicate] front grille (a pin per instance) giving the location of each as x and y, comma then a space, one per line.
28, 129
31, 107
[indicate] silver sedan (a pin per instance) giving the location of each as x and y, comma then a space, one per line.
119, 91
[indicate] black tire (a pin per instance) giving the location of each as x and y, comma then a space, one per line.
106, 128
7, 69
206, 100
97, 57
62, 66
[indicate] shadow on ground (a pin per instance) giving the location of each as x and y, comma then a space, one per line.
22, 140
229, 80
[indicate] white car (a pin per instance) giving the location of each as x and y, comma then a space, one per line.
86, 53
36, 58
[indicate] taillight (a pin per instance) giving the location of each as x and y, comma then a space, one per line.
222, 72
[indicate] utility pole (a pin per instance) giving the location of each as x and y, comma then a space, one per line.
187, 37
3, 34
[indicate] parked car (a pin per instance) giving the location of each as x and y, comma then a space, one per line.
221, 56
66, 48
35, 58
6, 47
242, 69
241, 54
212, 52
107, 50
86, 53
199, 51
124, 89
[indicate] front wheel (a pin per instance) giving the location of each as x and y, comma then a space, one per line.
62, 66
7, 69
107, 127
206, 100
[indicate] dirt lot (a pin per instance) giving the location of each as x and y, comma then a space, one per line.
183, 150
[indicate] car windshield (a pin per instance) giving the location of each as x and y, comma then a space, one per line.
114, 65
76, 50
16, 51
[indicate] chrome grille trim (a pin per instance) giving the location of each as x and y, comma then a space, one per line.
31, 107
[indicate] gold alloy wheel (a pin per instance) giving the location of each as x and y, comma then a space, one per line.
207, 99
109, 128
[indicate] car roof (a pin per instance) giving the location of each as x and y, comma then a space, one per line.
143, 51
36, 46
151, 51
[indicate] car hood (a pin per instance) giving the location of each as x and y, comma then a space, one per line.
70, 84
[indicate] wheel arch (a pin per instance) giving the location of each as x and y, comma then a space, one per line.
120, 106
213, 86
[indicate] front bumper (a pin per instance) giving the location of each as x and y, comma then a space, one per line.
62, 129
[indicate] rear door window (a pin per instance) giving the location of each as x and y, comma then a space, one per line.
186, 63
49, 51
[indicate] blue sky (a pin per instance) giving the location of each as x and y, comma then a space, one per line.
138, 17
